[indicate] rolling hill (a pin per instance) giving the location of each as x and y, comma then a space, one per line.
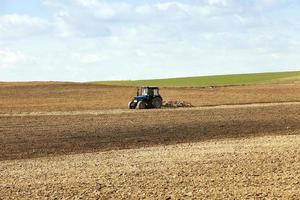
219, 80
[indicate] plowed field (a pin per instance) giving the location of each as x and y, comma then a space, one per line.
37, 97
78, 141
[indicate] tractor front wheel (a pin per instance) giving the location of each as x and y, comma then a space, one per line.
141, 105
131, 105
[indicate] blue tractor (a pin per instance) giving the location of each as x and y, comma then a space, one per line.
147, 97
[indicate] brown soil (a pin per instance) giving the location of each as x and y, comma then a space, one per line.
77, 141
34, 135
36, 97
250, 168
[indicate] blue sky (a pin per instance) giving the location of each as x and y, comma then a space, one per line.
85, 40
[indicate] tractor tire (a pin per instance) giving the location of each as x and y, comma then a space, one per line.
131, 105
157, 103
141, 105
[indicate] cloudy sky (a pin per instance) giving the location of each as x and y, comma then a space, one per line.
84, 40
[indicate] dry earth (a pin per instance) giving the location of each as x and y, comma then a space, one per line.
37, 97
34, 136
252, 168
76, 141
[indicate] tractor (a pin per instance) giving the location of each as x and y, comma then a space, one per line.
147, 97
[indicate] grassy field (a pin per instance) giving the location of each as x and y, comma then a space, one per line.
220, 80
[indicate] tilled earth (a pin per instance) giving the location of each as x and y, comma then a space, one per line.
68, 150
250, 168
34, 136
37, 97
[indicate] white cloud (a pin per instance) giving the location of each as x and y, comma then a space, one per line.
101, 39
89, 58
10, 59
218, 2
15, 25
175, 6
271, 2
95, 18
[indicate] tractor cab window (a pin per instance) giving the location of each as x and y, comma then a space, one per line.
144, 92
148, 92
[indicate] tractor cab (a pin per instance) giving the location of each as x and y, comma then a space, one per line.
148, 91
147, 97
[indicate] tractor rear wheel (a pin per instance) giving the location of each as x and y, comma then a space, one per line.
141, 105
156, 102
131, 105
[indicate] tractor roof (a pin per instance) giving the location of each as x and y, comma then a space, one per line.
150, 87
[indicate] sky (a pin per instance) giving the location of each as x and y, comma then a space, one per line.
88, 40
